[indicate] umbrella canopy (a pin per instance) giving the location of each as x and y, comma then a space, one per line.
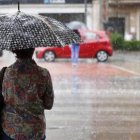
22, 31
76, 25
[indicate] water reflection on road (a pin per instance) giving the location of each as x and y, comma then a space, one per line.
93, 101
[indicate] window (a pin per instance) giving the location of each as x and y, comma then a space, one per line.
43, 1
78, 1
5, 1
90, 36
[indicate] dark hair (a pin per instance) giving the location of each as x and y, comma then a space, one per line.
25, 53
77, 32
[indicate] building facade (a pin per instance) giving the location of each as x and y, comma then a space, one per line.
119, 15
124, 16
63, 10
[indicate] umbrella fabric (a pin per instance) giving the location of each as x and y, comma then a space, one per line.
76, 25
22, 31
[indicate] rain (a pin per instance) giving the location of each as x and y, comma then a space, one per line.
96, 99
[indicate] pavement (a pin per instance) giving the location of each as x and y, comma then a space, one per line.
94, 101
126, 60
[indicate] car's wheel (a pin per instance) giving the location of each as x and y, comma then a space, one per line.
49, 56
102, 56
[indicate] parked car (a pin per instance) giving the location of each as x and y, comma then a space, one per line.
96, 45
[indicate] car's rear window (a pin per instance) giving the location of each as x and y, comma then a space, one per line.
90, 36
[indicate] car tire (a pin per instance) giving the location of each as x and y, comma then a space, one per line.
102, 56
49, 56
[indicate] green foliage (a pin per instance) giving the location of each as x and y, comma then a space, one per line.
117, 41
133, 45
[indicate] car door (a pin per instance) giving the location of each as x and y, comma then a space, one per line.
87, 49
66, 52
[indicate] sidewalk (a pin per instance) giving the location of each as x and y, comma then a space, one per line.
93, 101
125, 59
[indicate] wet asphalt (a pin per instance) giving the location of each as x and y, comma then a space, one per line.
94, 101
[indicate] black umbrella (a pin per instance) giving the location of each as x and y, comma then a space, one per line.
22, 31
76, 25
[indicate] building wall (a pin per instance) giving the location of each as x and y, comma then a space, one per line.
96, 15
131, 14
52, 9
98, 12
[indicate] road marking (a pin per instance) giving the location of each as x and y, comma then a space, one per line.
125, 69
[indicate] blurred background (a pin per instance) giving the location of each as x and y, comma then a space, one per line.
122, 16
93, 101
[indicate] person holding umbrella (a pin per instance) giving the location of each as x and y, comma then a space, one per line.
75, 47
27, 88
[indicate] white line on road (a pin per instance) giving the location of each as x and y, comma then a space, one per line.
125, 69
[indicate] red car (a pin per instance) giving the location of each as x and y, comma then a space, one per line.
96, 45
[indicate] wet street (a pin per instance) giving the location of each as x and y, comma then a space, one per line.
93, 101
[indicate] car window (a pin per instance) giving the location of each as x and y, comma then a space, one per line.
90, 36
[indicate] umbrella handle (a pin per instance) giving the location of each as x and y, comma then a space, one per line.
18, 6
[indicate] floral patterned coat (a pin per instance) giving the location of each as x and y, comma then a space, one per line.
27, 90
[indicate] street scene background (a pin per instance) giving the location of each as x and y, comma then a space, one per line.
93, 101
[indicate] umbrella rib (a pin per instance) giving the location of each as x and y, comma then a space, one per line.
61, 42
